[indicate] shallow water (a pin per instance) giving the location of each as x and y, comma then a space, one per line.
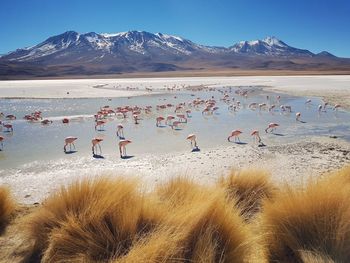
34, 147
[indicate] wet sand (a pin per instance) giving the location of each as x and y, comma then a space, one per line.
288, 163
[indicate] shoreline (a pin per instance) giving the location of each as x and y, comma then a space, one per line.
291, 163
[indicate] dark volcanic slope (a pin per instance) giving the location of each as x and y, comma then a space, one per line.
72, 53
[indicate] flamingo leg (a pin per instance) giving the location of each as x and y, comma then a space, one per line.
120, 150
73, 146
99, 146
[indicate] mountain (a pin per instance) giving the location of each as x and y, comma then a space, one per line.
135, 51
270, 46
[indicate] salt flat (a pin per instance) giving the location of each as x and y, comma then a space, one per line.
335, 88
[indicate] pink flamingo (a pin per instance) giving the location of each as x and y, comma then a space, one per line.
188, 112
159, 120
175, 124
96, 142
182, 117
256, 136
122, 147
2, 142
169, 119
207, 110
272, 126
192, 138
69, 141
120, 130
235, 134
336, 107
8, 126
297, 116
99, 124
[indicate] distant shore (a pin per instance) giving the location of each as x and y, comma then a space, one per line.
335, 89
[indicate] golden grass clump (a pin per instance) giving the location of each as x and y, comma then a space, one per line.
310, 224
7, 207
92, 220
203, 225
247, 189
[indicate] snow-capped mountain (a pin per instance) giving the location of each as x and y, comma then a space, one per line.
115, 45
72, 53
96, 46
270, 46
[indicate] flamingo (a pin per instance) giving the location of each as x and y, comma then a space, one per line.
256, 136
235, 134
297, 116
159, 120
96, 142
319, 108
69, 141
46, 122
120, 130
2, 142
336, 107
169, 118
122, 147
272, 126
325, 105
8, 126
272, 107
262, 105
136, 118
288, 107
308, 101
182, 117
99, 124
10, 117
252, 105
192, 138
175, 124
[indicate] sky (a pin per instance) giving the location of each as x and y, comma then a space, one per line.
316, 25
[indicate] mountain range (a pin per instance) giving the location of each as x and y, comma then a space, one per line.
72, 53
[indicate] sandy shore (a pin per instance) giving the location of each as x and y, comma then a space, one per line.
292, 163
335, 89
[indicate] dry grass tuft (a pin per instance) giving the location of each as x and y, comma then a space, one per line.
247, 189
313, 223
7, 207
92, 221
204, 225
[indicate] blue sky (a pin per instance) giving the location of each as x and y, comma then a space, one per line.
312, 24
